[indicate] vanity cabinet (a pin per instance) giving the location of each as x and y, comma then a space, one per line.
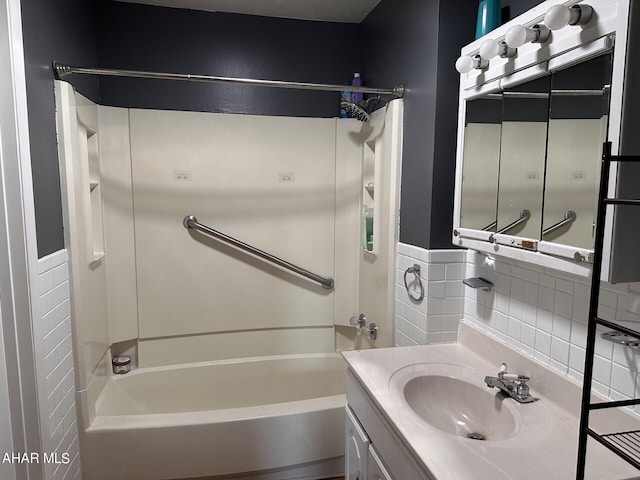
374, 451
530, 134
362, 462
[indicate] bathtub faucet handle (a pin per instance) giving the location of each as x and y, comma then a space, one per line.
359, 322
373, 331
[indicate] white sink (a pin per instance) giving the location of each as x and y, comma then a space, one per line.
455, 400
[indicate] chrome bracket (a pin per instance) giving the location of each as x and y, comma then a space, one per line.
622, 339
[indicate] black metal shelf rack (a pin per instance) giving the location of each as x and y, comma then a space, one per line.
624, 444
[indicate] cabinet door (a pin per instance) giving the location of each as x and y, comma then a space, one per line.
356, 444
375, 469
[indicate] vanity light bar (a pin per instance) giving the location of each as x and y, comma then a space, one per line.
557, 17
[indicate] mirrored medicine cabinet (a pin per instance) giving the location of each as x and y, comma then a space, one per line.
531, 157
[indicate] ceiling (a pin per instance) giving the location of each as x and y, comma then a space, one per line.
346, 11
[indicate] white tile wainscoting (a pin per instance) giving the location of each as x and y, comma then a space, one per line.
539, 311
55, 373
435, 318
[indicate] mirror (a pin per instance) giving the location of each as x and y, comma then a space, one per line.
578, 118
525, 110
481, 157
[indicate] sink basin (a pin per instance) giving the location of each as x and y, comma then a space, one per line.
455, 400
460, 408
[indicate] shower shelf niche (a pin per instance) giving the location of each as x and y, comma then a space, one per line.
371, 164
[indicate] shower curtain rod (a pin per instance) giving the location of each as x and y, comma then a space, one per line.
61, 70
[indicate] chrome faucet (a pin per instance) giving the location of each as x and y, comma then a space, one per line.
513, 384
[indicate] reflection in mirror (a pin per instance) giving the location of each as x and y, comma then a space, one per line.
578, 117
525, 110
481, 158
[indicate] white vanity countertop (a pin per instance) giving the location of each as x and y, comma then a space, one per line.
549, 453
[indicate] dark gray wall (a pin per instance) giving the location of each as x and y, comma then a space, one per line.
410, 42
63, 30
416, 43
140, 37
402, 44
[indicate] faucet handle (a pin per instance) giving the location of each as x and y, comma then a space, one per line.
515, 377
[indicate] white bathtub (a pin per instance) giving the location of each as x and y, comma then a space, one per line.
277, 417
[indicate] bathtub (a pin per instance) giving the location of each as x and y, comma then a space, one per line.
274, 417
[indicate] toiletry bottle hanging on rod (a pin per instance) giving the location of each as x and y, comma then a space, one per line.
346, 96
356, 82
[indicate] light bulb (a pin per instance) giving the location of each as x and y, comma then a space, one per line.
465, 63
518, 35
559, 16
489, 49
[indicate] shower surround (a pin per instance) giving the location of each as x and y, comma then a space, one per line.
143, 285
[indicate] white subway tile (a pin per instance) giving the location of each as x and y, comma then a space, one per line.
528, 335
564, 286
546, 298
563, 304
579, 334
576, 358
450, 323
436, 272
501, 303
436, 289
515, 308
517, 289
601, 370
580, 310
403, 341
627, 357
529, 314
532, 276
543, 343
453, 288
530, 294
514, 328
435, 324
582, 290
446, 256
518, 272
452, 306
450, 337
623, 380
544, 320
453, 271
560, 351
561, 328
547, 281
601, 388
435, 338
501, 322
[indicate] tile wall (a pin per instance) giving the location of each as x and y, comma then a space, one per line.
54, 364
541, 312
435, 318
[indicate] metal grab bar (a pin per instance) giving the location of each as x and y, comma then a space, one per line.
569, 217
491, 227
192, 222
524, 216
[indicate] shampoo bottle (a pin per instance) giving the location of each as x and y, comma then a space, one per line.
356, 97
488, 17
